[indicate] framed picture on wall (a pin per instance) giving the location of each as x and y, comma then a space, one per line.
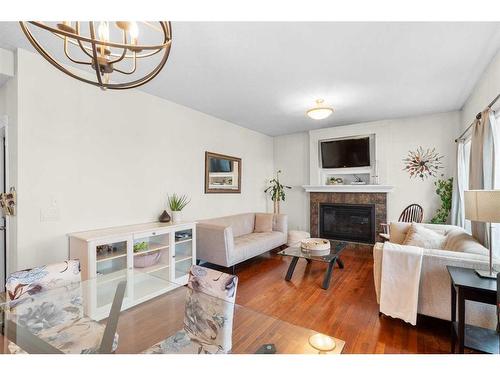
222, 173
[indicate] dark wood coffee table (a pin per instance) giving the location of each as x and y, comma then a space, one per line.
296, 253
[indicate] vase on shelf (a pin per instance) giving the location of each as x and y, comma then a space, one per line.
176, 216
164, 217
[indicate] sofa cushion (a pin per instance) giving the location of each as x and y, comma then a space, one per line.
253, 244
420, 236
240, 224
263, 223
399, 230
459, 240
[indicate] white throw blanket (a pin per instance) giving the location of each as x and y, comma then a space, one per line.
401, 266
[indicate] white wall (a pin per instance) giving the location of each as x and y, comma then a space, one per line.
485, 90
107, 158
291, 156
394, 138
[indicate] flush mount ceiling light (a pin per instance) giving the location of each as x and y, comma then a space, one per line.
107, 49
320, 111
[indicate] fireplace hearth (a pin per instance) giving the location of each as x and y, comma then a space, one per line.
347, 222
342, 220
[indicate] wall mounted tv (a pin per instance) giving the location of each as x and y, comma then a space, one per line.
345, 153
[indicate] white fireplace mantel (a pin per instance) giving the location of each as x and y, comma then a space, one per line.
348, 188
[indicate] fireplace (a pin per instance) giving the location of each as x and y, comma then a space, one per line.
347, 222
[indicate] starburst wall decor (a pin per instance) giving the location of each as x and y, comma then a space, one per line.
423, 163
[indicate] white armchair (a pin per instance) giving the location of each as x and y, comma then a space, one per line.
461, 250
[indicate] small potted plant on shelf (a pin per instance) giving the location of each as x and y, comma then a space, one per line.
177, 204
148, 259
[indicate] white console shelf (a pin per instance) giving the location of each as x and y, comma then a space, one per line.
106, 251
365, 188
107, 257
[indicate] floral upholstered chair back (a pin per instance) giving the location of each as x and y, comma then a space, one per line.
22, 284
214, 283
56, 317
208, 319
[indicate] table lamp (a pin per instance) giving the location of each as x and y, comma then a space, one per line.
484, 206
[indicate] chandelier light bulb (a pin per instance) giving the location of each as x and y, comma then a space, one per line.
134, 31
103, 31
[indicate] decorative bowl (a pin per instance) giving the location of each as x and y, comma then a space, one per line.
146, 260
315, 246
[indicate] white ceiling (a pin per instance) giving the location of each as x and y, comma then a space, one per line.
264, 76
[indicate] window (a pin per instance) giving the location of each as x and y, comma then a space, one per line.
467, 144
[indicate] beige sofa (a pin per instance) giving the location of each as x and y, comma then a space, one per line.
461, 250
230, 240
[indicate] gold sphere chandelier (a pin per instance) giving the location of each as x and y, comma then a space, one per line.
110, 50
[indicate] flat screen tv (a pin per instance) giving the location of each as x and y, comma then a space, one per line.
221, 165
345, 153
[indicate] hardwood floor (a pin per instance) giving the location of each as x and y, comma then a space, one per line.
347, 310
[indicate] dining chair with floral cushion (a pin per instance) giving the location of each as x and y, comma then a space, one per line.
208, 316
56, 318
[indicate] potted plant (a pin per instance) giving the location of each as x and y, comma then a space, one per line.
177, 204
277, 192
444, 189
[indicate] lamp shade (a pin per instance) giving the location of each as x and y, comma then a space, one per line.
482, 205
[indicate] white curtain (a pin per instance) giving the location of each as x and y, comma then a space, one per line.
495, 230
460, 183
482, 164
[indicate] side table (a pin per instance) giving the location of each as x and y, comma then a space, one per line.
467, 285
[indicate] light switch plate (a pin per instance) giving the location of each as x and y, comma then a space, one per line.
51, 213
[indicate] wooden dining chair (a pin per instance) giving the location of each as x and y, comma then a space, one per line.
208, 316
414, 213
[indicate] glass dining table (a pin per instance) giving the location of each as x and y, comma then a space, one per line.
135, 312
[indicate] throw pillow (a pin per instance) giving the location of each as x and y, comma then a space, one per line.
418, 235
263, 223
459, 240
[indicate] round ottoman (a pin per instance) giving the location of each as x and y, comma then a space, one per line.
295, 236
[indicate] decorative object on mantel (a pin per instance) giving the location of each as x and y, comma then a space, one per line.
320, 111
93, 47
335, 181
348, 188
164, 217
222, 173
358, 181
277, 191
423, 163
8, 202
177, 204
444, 188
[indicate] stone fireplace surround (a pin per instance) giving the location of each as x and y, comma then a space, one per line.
376, 198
